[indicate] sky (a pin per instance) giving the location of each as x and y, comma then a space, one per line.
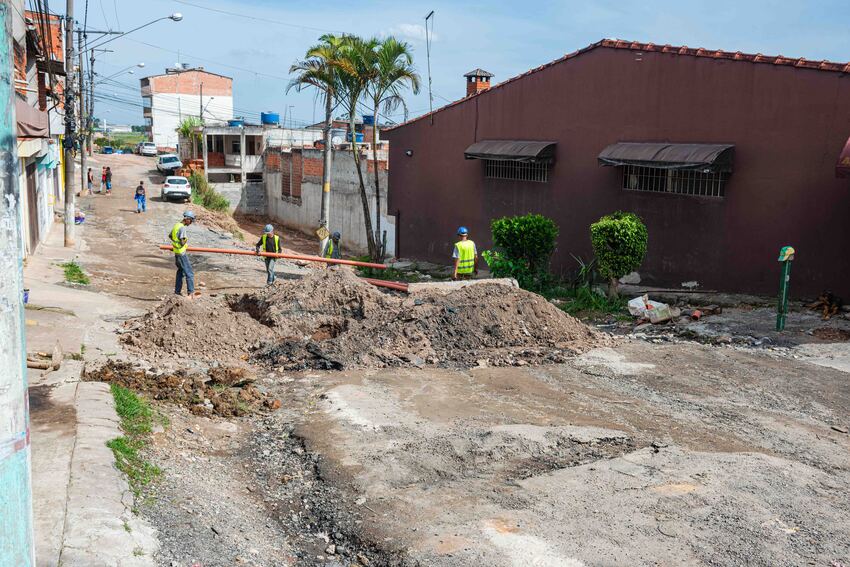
256, 41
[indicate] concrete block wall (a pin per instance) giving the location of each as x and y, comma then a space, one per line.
303, 210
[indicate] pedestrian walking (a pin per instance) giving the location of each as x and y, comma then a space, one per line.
465, 255
179, 243
108, 180
269, 242
102, 180
89, 180
332, 247
141, 204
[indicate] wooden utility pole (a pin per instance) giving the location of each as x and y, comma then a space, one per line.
70, 201
83, 129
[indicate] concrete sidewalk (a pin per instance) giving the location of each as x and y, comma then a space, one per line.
81, 502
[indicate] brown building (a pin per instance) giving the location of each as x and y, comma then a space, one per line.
726, 156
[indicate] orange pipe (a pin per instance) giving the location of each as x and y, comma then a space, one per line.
398, 286
286, 256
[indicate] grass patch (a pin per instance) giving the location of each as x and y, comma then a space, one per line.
583, 302
74, 273
137, 419
206, 196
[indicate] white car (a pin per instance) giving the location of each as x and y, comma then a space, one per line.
176, 187
147, 149
168, 163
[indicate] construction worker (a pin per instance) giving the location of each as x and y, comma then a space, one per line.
269, 242
465, 255
179, 242
332, 247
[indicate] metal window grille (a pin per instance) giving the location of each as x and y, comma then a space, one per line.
516, 171
679, 182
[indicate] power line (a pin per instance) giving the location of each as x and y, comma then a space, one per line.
264, 20
103, 12
115, 7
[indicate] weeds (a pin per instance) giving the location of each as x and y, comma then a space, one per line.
584, 302
206, 196
137, 419
74, 273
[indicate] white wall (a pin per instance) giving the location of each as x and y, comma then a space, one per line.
346, 209
168, 110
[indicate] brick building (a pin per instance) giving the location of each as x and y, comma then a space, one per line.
726, 156
180, 93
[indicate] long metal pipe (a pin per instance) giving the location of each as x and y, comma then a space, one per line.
286, 256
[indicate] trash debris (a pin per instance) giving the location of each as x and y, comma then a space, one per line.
656, 312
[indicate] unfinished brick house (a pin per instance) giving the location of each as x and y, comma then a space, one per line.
727, 157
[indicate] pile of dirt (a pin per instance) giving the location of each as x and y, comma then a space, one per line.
332, 319
204, 329
225, 390
216, 220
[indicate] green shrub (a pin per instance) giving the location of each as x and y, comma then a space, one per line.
619, 242
215, 201
74, 273
524, 246
206, 196
100, 142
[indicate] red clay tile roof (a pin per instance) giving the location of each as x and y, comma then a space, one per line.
799, 63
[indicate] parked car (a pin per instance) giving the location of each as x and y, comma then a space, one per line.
176, 188
107, 150
147, 149
168, 163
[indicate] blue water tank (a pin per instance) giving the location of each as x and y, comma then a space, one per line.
359, 137
269, 118
236, 122
368, 120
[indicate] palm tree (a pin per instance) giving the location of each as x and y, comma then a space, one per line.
318, 70
188, 130
392, 72
355, 71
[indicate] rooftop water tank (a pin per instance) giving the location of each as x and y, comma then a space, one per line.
269, 118
236, 122
368, 120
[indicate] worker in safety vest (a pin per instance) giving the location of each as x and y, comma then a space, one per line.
465, 255
269, 242
332, 247
179, 243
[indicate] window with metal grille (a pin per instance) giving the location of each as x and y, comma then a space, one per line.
677, 181
516, 170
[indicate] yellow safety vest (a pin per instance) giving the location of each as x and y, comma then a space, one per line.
466, 255
176, 246
276, 243
330, 250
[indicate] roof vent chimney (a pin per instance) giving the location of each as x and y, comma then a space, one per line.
477, 81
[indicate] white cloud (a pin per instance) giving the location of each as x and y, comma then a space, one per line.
412, 32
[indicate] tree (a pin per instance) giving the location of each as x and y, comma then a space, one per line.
392, 72
188, 130
619, 242
524, 246
355, 71
319, 70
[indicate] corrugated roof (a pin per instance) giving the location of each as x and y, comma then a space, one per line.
798, 63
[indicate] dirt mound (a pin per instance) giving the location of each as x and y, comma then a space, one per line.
332, 319
223, 391
205, 329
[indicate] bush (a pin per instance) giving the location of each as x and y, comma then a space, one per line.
206, 196
524, 247
619, 242
100, 142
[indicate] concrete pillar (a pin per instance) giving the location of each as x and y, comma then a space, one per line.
16, 535
242, 154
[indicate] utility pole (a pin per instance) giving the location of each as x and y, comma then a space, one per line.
82, 137
70, 204
201, 103
16, 527
430, 16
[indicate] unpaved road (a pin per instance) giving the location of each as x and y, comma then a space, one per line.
638, 454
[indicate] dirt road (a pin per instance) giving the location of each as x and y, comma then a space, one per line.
631, 454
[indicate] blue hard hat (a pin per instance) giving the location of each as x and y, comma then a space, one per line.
336, 235
189, 215
268, 228
462, 230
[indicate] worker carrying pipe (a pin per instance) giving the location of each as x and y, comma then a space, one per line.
269, 242
179, 238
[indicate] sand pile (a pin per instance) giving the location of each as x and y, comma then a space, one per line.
333, 320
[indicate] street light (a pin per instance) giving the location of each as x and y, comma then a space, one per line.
121, 72
175, 17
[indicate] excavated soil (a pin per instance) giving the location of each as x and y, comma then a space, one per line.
223, 391
331, 319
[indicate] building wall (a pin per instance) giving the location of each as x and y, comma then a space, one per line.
301, 174
788, 126
189, 82
169, 109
